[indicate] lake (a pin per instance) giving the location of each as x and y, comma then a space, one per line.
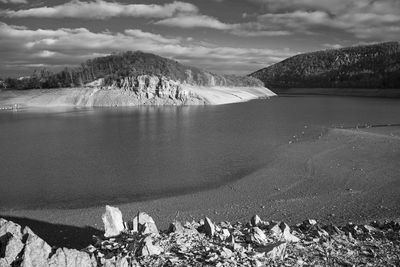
70, 158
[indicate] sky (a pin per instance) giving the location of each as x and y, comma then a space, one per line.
222, 36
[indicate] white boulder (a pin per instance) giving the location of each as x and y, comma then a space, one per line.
112, 220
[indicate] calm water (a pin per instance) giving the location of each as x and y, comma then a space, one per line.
83, 157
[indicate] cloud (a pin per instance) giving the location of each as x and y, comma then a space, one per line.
139, 34
14, 1
304, 5
195, 21
21, 47
332, 46
258, 33
100, 9
249, 29
364, 19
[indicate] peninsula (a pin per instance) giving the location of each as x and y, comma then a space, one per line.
129, 79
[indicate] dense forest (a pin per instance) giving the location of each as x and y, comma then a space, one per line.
114, 68
370, 66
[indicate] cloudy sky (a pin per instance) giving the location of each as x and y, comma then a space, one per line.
225, 36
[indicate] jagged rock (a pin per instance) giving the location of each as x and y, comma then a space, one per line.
276, 251
182, 94
258, 236
318, 231
176, 227
112, 220
4, 263
351, 228
255, 220
10, 227
226, 253
252, 247
368, 228
10, 247
167, 88
225, 234
282, 230
152, 85
309, 222
149, 248
36, 252
209, 227
144, 224
333, 230
119, 262
65, 257
122, 262
231, 239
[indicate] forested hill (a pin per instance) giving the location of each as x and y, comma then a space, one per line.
116, 67
370, 66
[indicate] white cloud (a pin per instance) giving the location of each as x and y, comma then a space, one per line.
248, 29
332, 46
195, 21
100, 9
136, 33
45, 53
21, 46
365, 19
245, 33
282, 6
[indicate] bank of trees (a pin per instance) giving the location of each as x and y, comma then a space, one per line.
120, 65
371, 66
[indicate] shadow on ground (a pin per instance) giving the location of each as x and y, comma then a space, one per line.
57, 234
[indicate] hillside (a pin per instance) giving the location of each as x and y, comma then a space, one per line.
115, 68
130, 79
363, 67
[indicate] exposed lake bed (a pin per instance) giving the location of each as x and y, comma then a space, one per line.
288, 164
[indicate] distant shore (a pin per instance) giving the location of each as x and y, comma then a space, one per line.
345, 175
368, 92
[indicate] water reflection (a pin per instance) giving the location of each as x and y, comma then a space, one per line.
80, 157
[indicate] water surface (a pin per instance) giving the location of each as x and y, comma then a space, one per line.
68, 158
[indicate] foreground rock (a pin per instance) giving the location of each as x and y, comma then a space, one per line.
206, 243
112, 220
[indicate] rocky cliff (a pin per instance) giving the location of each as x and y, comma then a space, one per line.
145, 86
138, 242
366, 67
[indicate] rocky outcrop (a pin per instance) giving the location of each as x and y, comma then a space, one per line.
147, 87
143, 223
22, 247
206, 243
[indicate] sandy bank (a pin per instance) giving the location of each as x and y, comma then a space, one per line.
346, 175
89, 97
218, 95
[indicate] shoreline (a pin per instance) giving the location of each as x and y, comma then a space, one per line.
357, 92
96, 97
336, 178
